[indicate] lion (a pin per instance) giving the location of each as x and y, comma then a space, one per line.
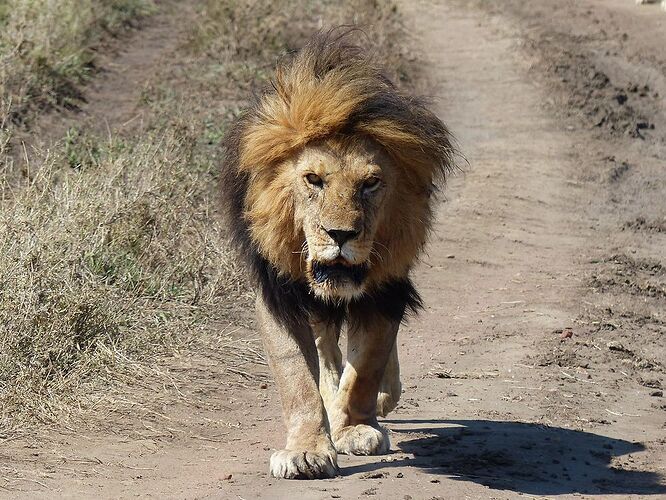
328, 185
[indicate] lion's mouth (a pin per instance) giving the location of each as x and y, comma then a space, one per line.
338, 272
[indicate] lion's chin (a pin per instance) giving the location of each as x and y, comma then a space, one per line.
337, 293
337, 280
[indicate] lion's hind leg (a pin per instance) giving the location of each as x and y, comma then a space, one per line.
327, 333
390, 388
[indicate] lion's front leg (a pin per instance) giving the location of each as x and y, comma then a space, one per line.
309, 452
354, 426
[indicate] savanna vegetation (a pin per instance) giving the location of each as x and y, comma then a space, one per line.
111, 252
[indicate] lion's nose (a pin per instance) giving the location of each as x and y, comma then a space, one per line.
341, 236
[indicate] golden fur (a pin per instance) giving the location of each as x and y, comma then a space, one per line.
327, 184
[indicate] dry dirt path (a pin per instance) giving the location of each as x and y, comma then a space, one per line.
481, 416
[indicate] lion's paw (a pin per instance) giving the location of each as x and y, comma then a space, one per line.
362, 440
289, 464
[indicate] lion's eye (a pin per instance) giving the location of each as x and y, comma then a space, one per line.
314, 180
371, 184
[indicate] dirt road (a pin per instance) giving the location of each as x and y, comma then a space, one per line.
515, 383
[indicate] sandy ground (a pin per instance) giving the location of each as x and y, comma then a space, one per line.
537, 367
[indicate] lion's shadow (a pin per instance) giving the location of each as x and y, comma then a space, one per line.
521, 457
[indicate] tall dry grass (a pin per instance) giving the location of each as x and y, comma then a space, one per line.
110, 249
103, 263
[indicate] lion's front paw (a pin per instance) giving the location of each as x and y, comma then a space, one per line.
289, 464
362, 440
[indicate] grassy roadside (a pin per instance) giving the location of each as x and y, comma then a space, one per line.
110, 249
47, 49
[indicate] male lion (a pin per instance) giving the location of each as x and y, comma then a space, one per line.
327, 184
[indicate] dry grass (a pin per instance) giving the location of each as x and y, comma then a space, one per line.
242, 39
46, 47
110, 249
102, 262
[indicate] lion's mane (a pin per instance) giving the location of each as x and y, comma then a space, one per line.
329, 89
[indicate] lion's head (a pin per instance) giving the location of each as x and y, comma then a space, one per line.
329, 176
341, 187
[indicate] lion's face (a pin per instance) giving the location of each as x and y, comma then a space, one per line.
340, 193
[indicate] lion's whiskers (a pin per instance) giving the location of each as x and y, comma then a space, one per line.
388, 251
373, 251
303, 251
